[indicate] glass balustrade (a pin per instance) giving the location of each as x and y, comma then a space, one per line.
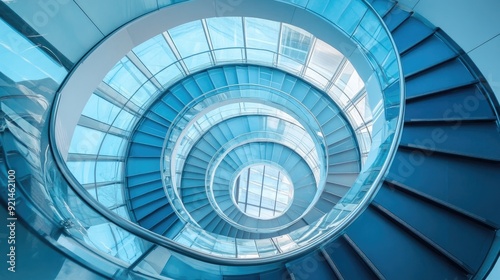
108, 242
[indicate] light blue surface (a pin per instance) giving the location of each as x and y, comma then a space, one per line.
21, 60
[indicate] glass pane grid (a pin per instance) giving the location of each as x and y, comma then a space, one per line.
263, 191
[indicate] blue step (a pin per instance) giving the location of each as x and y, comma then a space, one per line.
142, 150
448, 179
449, 75
149, 209
458, 138
466, 103
410, 33
463, 238
143, 178
395, 17
345, 258
139, 200
312, 266
380, 240
137, 166
382, 7
433, 49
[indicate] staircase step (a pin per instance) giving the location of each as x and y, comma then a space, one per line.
138, 166
154, 128
409, 33
166, 224
383, 7
345, 258
409, 256
147, 139
463, 238
452, 180
144, 178
395, 18
432, 48
457, 104
149, 209
145, 198
454, 138
446, 76
142, 150
300, 270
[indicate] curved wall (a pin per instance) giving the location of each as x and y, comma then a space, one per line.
473, 25
76, 91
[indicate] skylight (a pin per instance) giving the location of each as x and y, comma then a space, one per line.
263, 191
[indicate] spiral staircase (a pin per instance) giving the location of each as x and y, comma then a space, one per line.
434, 215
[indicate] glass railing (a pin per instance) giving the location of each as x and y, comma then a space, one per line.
178, 147
305, 192
62, 212
176, 143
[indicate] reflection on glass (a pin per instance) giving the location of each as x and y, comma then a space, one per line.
21, 60
189, 38
125, 78
295, 43
86, 141
100, 109
325, 59
155, 54
226, 33
262, 34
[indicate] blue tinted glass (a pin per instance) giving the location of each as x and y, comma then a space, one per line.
85, 141
108, 171
125, 78
198, 61
225, 32
289, 64
123, 212
82, 170
261, 57
262, 34
350, 18
189, 38
349, 81
124, 120
142, 96
110, 195
100, 109
325, 59
21, 60
295, 43
169, 74
112, 145
155, 54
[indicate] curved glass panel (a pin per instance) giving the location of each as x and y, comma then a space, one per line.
383, 127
